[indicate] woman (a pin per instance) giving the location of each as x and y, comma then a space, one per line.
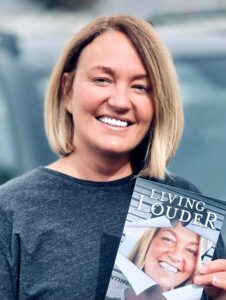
170, 256
112, 112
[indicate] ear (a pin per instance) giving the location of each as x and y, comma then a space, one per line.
66, 85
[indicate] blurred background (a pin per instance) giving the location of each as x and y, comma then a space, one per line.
33, 32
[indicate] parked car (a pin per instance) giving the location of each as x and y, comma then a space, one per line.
23, 144
201, 66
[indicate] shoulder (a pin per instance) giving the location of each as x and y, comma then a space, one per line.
23, 181
179, 182
22, 187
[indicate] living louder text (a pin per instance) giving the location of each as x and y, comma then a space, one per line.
173, 206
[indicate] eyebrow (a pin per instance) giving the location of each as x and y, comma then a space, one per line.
175, 235
105, 69
112, 73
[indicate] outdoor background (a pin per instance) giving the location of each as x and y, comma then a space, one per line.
32, 33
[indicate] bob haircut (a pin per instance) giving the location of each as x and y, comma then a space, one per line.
151, 157
139, 251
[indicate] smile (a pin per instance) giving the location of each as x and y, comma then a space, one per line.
168, 267
113, 122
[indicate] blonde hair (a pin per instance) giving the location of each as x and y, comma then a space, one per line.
139, 251
155, 151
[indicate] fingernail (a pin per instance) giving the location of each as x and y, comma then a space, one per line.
215, 281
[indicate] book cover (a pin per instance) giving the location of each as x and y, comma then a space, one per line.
168, 234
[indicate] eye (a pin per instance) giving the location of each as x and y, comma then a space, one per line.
168, 240
141, 88
101, 81
192, 252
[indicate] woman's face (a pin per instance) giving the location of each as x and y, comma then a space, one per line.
172, 255
110, 99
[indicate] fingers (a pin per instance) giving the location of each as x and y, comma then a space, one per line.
213, 276
219, 282
214, 266
216, 279
212, 273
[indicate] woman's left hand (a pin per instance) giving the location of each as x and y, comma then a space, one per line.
213, 277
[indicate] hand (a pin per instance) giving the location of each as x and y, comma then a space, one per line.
213, 277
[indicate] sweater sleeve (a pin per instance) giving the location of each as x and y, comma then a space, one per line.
9, 262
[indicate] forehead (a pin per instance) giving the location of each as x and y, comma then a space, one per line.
112, 47
181, 233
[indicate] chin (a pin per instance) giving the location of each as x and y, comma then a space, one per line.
115, 149
168, 283
166, 286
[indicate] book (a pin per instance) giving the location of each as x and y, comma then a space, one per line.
168, 234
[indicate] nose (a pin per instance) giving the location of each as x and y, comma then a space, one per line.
120, 100
176, 254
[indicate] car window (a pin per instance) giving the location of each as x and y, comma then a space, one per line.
202, 79
201, 155
7, 155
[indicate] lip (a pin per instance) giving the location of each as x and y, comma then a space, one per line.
169, 267
116, 117
113, 127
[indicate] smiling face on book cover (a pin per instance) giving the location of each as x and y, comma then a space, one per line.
172, 255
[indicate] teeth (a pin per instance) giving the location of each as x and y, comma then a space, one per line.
113, 122
168, 267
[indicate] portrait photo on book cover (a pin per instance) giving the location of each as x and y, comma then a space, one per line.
159, 260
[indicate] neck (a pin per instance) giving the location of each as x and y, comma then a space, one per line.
103, 168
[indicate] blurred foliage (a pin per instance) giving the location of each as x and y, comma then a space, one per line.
66, 4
